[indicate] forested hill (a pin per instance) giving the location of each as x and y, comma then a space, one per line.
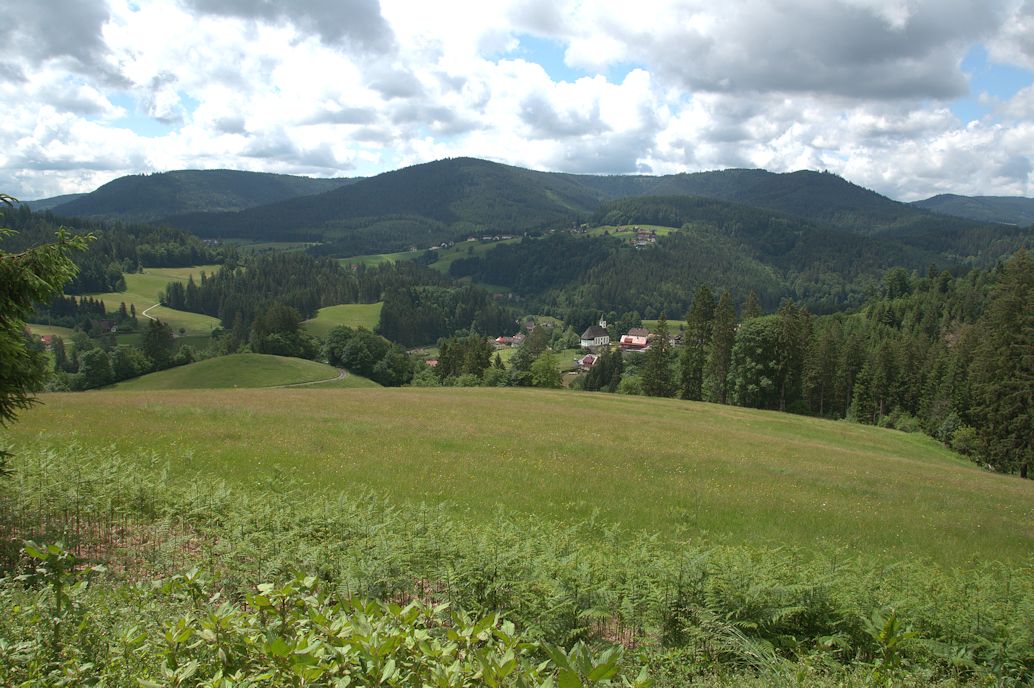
817, 196
48, 203
147, 198
440, 200
418, 204
1011, 210
447, 199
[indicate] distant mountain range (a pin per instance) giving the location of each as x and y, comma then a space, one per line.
153, 197
438, 201
1010, 210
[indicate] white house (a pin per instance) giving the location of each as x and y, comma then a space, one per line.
596, 336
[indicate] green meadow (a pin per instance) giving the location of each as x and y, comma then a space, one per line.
707, 473
350, 314
375, 259
142, 291
41, 330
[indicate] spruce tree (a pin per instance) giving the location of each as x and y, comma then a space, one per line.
1003, 371
32, 276
697, 339
752, 307
723, 335
657, 376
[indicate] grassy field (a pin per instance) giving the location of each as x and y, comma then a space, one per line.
351, 314
269, 246
375, 259
237, 370
40, 330
142, 291
689, 470
464, 249
625, 231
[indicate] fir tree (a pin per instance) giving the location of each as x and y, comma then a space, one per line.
657, 377
697, 339
723, 335
1003, 371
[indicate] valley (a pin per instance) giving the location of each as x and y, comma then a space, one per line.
732, 428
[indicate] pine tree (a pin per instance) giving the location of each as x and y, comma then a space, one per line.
723, 335
697, 339
32, 276
657, 377
1003, 371
752, 307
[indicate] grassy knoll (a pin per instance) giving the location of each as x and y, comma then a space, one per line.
351, 314
711, 473
237, 370
142, 291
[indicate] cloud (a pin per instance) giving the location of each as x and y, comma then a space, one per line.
861, 87
857, 49
66, 30
351, 23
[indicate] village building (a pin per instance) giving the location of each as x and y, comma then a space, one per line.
630, 342
596, 336
587, 361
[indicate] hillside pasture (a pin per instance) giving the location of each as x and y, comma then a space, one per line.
350, 315
142, 290
43, 330
235, 370
708, 473
375, 259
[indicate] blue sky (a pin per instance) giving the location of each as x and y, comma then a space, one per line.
907, 97
986, 78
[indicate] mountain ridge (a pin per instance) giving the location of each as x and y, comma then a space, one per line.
150, 197
1011, 210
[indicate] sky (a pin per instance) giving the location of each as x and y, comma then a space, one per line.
910, 98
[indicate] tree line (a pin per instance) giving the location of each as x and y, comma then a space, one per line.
116, 248
950, 356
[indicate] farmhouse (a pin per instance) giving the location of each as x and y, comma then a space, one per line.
587, 361
630, 342
596, 336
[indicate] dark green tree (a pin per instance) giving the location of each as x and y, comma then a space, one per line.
696, 342
752, 307
158, 344
719, 356
794, 338
605, 374
544, 371
1003, 371
657, 374
754, 367
34, 275
94, 370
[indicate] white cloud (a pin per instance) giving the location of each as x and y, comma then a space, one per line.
861, 87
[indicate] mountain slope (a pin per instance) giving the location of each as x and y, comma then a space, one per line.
146, 198
41, 204
1012, 210
817, 196
419, 204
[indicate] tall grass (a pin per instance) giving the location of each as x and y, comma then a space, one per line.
690, 613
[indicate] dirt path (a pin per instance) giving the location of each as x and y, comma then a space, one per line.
150, 317
341, 375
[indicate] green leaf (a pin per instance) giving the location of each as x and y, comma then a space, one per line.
568, 679
389, 671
